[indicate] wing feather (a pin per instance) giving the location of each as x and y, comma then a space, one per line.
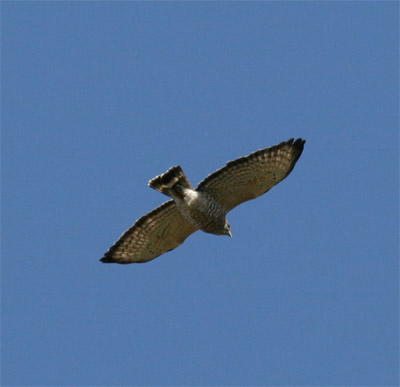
155, 233
251, 176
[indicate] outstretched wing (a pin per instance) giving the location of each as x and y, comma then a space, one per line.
250, 176
155, 233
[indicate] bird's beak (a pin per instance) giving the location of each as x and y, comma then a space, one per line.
230, 234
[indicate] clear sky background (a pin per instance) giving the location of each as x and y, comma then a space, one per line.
100, 97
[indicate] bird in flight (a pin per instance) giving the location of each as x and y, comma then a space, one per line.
205, 207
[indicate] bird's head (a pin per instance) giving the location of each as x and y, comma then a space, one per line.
227, 228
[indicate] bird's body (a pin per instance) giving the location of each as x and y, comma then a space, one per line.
200, 208
205, 207
206, 213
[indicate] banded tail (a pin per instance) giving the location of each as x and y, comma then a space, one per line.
171, 182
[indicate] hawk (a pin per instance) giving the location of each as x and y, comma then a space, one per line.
205, 207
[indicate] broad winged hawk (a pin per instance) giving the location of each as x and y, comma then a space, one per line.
205, 207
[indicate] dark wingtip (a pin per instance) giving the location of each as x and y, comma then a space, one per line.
298, 144
112, 260
106, 259
300, 141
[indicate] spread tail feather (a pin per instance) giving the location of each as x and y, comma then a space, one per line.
171, 182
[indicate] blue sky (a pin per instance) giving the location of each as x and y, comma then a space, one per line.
100, 97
